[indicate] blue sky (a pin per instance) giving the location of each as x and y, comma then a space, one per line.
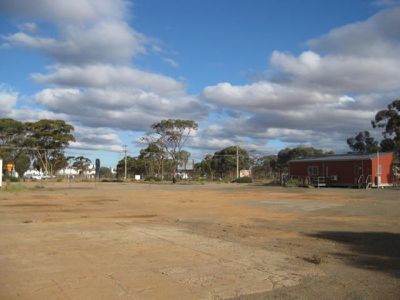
217, 41
261, 74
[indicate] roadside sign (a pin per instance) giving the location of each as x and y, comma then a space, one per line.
97, 167
10, 167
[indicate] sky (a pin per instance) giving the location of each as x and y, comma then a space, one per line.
261, 74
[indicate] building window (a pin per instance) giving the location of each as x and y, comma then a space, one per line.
313, 171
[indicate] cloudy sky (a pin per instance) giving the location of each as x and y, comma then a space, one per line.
260, 74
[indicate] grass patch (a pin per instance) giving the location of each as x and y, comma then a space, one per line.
20, 187
243, 180
14, 188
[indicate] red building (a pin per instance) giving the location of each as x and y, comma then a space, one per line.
366, 170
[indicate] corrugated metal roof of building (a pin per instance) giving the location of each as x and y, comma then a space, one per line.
341, 157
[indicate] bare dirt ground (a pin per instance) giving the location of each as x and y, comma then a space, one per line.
213, 241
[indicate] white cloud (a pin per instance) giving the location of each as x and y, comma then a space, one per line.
128, 108
171, 62
8, 100
104, 41
29, 26
71, 11
325, 94
266, 96
97, 138
92, 81
25, 40
104, 139
346, 99
378, 36
343, 74
86, 31
100, 75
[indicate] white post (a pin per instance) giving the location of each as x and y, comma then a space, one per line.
377, 170
1, 172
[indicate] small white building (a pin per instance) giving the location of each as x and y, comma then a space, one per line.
33, 174
67, 172
90, 171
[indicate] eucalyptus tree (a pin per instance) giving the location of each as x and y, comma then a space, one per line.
389, 120
363, 142
171, 136
47, 140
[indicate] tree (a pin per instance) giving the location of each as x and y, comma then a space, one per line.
153, 156
171, 135
105, 172
183, 157
22, 163
48, 139
264, 167
363, 142
135, 166
81, 164
205, 167
11, 132
387, 145
224, 161
389, 120
12, 137
287, 154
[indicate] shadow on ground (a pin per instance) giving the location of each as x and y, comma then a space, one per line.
378, 251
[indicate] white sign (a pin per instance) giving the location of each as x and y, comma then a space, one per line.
244, 173
1, 172
137, 177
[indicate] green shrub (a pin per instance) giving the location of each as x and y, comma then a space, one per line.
112, 180
10, 178
152, 178
14, 188
292, 183
243, 180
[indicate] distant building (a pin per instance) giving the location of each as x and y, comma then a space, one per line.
67, 172
364, 170
185, 169
90, 172
33, 174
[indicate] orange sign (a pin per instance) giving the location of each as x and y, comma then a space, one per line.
9, 167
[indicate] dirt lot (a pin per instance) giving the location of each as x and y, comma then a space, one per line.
216, 241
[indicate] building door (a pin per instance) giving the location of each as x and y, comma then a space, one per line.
358, 172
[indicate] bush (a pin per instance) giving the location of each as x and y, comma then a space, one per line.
243, 180
10, 178
292, 183
112, 180
152, 178
15, 188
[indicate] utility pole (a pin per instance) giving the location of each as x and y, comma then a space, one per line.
237, 161
125, 152
162, 167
